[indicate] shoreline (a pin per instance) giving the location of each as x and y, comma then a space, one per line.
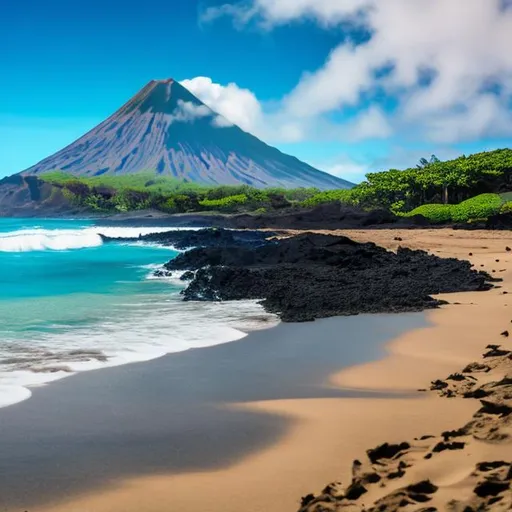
329, 433
227, 325
464, 336
182, 413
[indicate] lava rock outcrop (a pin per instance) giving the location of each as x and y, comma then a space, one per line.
211, 237
313, 276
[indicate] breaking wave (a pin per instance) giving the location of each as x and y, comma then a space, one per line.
93, 309
27, 240
140, 330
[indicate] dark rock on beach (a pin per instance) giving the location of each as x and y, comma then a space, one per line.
441, 447
490, 488
187, 276
489, 484
185, 239
387, 451
496, 351
326, 216
314, 276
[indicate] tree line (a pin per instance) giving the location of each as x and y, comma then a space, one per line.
430, 182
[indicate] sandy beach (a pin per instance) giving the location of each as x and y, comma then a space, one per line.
184, 413
324, 435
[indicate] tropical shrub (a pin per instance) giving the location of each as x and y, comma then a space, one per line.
506, 207
226, 203
328, 196
398, 207
435, 181
70, 197
436, 213
479, 207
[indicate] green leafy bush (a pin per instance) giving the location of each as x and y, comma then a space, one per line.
479, 207
168, 205
437, 213
398, 207
226, 203
506, 207
70, 197
328, 196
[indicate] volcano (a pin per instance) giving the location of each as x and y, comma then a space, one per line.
166, 129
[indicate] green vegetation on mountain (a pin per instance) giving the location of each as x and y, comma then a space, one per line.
458, 190
147, 190
143, 182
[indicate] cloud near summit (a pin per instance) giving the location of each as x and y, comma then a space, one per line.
445, 66
236, 105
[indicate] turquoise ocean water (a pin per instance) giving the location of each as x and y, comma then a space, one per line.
70, 303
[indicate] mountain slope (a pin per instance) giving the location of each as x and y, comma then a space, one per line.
165, 128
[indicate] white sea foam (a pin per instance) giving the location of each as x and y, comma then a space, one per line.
27, 240
138, 328
173, 277
156, 326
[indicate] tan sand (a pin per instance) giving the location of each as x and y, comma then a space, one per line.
326, 435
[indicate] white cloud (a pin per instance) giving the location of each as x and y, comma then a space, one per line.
370, 124
188, 112
241, 14
221, 122
288, 131
463, 45
346, 169
273, 12
339, 81
343, 166
239, 106
484, 116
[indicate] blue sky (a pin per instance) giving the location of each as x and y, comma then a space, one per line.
329, 81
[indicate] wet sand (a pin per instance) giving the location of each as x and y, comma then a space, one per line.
184, 413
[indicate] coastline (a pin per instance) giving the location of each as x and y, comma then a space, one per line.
327, 434
183, 413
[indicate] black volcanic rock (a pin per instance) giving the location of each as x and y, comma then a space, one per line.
333, 215
386, 451
308, 249
491, 488
185, 239
330, 216
165, 128
313, 276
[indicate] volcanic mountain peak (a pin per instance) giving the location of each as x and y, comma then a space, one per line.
165, 128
